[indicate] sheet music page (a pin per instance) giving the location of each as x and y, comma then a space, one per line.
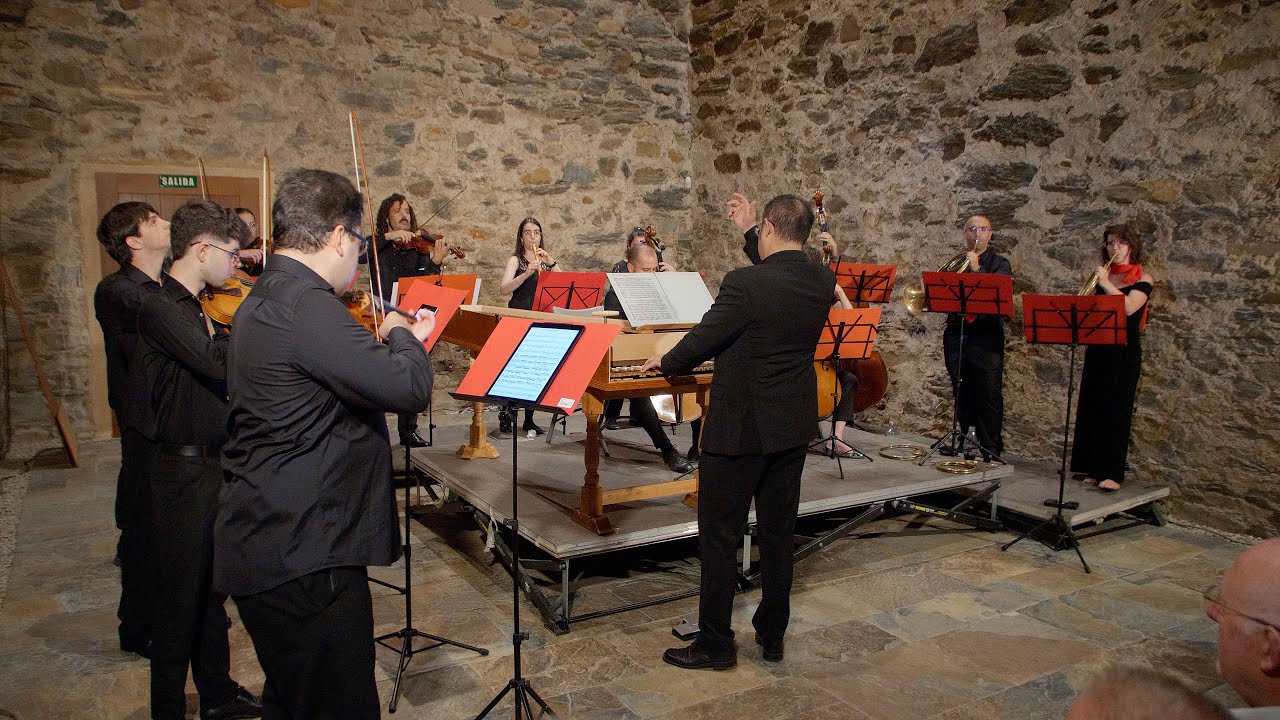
535, 361
687, 293
643, 299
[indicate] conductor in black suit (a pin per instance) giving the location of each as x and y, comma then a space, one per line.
762, 331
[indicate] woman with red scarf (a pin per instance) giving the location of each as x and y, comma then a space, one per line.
1109, 384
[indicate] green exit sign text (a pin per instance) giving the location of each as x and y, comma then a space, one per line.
178, 181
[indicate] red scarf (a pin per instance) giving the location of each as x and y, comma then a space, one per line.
1132, 272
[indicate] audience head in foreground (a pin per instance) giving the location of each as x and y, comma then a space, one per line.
1246, 607
1129, 693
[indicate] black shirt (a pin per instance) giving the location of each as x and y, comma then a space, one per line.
308, 459
989, 327
395, 263
611, 301
183, 371
115, 303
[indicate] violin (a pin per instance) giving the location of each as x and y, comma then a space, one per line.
366, 309
651, 238
220, 304
425, 242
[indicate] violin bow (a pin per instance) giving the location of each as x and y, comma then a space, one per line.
357, 155
264, 223
204, 184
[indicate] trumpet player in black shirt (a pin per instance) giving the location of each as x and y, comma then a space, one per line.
182, 364
309, 502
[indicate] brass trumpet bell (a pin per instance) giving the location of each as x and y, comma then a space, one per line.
913, 296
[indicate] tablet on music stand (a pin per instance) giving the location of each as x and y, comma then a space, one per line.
537, 358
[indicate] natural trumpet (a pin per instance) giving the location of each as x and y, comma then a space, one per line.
1092, 283
913, 297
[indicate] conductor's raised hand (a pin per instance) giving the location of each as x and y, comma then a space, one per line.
742, 212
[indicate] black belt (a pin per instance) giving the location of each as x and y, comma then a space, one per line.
191, 451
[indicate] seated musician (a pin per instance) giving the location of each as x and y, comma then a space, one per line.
845, 376
642, 259
613, 408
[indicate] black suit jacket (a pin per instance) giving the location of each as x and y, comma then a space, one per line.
762, 331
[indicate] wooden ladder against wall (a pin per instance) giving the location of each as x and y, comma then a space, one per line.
55, 408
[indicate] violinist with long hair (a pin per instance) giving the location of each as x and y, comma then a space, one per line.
395, 228
1109, 382
520, 281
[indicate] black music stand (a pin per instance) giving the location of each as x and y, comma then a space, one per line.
1070, 320
571, 291
865, 283
966, 294
847, 335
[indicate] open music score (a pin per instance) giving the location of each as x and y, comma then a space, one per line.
669, 298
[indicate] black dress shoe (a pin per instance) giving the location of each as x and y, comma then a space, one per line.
243, 705
532, 428
611, 424
413, 440
674, 462
695, 657
772, 650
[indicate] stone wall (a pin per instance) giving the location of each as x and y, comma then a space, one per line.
1053, 118
575, 111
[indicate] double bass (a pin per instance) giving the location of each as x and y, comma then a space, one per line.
872, 375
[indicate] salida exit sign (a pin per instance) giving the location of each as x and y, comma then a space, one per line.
178, 181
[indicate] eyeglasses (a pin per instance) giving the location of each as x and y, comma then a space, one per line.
233, 253
364, 241
1213, 598
977, 229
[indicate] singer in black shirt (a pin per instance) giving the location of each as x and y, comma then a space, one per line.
182, 363
309, 501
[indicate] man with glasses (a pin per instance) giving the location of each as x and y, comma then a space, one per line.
182, 363
308, 503
1246, 607
981, 406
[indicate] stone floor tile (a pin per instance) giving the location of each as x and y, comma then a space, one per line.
595, 703
667, 688
932, 617
1014, 649
786, 698
888, 589
809, 651
986, 564
565, 667
1142, 555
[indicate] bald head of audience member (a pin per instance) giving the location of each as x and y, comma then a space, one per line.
1246, 607
1127, 693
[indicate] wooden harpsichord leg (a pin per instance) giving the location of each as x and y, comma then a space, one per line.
478, 445
590, 512
692, 498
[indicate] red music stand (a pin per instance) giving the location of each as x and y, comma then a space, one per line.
1070, 320
460, 281
443, 301
568, 290
561, 393
847, 335
864, 283
969, 295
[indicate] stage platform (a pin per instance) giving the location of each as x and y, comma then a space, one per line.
550, 480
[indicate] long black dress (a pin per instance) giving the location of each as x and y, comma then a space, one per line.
522, 299
1108, 388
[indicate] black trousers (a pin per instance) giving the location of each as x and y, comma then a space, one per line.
133, 517
643, 415
190, 626
726, 487
981, 402
406, 424
314, 639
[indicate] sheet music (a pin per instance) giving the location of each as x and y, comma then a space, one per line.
661, 298
475, 294
534, 363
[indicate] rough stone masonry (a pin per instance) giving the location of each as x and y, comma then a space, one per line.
1053, 117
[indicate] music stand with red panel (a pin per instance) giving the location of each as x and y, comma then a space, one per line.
847, 335
442, 301
1070, 320
569, 290
465, 282
865, 283
969, 295
505, 355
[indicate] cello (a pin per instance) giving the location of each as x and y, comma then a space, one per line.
871, 373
